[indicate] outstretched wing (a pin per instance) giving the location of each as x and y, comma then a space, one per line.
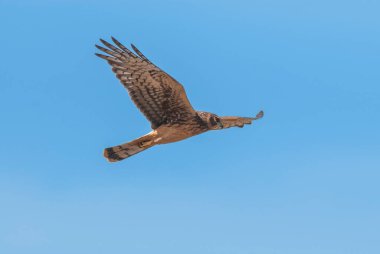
159, 97
232, 121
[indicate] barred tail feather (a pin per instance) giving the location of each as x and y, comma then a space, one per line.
121, 152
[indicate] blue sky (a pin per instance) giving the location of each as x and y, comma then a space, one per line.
304, 179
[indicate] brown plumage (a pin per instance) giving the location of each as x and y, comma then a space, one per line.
162, 100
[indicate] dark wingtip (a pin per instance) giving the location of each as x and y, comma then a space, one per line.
258, 116
106, 43
114, 40
107, 58
98, 47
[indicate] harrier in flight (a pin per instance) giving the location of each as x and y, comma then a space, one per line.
162, 100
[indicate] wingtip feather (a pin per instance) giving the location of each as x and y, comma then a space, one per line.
116, 41
98, 47
260, 114
134, 47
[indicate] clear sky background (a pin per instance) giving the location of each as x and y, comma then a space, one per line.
303, 180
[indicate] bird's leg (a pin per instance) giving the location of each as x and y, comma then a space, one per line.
148, 139
145, 143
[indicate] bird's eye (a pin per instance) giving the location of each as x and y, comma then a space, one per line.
213, 121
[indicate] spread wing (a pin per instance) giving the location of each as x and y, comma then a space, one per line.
232, 121
159, 97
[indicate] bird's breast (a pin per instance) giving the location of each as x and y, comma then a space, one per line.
176, 132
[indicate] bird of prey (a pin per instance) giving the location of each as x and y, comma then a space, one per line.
162, 100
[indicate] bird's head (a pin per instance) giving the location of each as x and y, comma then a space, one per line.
213, 121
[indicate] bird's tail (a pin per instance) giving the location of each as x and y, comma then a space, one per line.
121, 152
